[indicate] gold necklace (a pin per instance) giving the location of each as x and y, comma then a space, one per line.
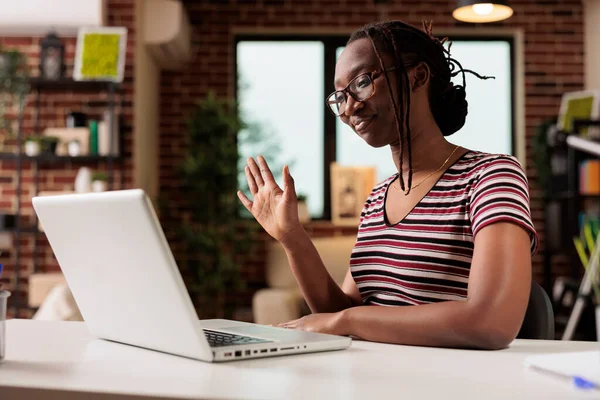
428, 176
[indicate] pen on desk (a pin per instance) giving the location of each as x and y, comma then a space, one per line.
578, 381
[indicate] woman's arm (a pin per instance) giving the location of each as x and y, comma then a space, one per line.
490, 318
318, 288
276, 210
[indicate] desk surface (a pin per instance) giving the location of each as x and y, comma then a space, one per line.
64, 356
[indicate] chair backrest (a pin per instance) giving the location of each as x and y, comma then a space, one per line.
334, 251
539, 317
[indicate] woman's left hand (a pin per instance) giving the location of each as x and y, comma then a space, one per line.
330, 323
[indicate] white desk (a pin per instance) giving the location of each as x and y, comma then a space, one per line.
64, 359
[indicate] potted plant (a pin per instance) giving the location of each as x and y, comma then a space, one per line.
303, 212
212, 238
99, 181
33, 145
49, 144
74, 147
14, 86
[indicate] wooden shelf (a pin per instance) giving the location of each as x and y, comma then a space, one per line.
68, 84
54, 158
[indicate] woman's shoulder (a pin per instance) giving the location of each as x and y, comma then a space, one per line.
477, 162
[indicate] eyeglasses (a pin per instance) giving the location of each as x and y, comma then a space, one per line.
361, 88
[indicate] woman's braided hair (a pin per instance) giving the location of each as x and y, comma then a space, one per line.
409, 46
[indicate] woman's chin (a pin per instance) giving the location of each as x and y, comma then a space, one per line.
371, 138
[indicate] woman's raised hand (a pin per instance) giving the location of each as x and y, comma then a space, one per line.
275, 210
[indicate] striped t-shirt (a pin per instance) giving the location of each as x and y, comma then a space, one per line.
426, 257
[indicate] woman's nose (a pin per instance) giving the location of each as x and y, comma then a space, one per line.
352, 105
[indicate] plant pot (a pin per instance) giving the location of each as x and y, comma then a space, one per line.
74, 149
303, 212
50, 147
99, 186
32, 148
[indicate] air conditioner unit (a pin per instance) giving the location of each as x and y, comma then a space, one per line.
167, 33
38, 17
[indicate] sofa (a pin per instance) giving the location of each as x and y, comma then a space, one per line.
282, 301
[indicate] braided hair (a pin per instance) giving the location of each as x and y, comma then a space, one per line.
409, 46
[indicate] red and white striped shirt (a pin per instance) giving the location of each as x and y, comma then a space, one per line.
426, 257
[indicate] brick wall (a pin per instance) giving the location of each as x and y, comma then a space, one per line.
60, 176
553, 64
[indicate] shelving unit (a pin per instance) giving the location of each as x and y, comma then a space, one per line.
39, 86
563, 193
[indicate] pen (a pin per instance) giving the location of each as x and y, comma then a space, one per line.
578, 381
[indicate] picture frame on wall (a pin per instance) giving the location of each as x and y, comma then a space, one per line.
100, 54
584, 104
350, 187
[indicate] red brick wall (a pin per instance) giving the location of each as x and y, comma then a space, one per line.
553, 65
53, 109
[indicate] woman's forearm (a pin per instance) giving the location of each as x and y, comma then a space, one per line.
320, 291
456, 324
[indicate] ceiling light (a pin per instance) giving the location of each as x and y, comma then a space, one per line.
482, 11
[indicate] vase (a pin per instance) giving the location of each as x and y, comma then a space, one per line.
74, 149
32, 148
99, 186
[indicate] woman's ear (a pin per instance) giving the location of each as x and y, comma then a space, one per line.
421, 76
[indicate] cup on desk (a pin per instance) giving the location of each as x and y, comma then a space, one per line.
4, 294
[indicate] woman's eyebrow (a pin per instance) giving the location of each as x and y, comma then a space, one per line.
352, 73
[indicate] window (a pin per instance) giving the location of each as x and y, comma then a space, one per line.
282, 83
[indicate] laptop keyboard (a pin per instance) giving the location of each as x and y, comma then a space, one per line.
220, 339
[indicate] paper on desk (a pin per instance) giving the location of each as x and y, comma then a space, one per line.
584, 364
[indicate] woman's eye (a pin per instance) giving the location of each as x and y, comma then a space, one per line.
363, 82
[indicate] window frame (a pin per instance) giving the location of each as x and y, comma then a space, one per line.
331, 43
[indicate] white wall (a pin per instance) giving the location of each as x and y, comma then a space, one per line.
592, 44
146, 98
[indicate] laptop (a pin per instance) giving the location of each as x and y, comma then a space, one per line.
120, 269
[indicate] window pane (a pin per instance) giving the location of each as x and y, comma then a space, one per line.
281, 87
489, 123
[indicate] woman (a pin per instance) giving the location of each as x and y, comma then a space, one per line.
450, 234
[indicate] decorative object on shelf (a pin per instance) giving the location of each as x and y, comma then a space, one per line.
66, 135
76, 119
33, 145
99, 181
7, 221
83, 180
303, 211
52, 56
74, 148
49, 144
108, 145
482, 11
350, 187
100, 54
93, 137
584, 104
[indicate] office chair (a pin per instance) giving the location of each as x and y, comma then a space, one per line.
539, 317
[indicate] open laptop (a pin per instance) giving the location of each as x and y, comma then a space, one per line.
118, 264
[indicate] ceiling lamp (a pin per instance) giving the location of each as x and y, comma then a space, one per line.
482, 11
